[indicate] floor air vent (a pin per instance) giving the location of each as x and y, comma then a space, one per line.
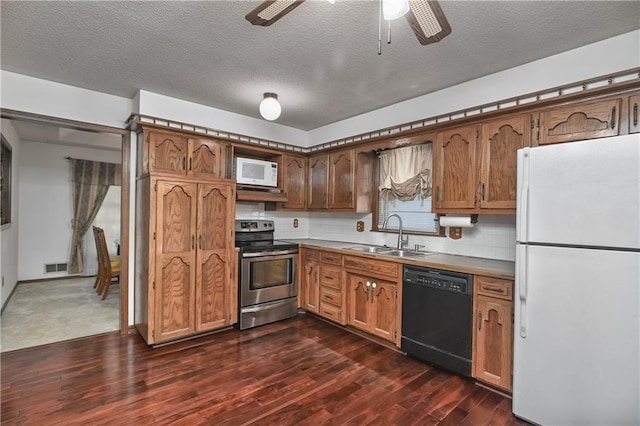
55, 267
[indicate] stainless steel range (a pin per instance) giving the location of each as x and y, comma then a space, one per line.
268, 283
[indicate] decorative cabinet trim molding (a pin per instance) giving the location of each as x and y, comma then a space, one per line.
602, 85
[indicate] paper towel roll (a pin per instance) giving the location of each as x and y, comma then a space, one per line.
456, 221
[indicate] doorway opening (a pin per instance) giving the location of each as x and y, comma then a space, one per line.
45, 203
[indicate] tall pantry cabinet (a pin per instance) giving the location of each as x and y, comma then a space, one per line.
185, 255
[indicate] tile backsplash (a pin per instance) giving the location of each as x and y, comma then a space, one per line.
494, 236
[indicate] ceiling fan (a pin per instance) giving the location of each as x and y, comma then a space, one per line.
424, 16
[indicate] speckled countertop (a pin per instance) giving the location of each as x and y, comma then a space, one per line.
466, 264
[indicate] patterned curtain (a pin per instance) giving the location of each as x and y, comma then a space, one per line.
405, 173
91, 181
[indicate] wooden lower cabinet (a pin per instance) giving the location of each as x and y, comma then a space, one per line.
310, 280
493, 332
372, 305
321, 284
185, 257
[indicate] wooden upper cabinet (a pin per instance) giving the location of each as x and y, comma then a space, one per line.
455, 168
175, 260
168, 152
500, 140
318, 182
580, 121
204, 158
294, 175
634, 114
341, 179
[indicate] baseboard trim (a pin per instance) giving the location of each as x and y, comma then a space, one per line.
68, 277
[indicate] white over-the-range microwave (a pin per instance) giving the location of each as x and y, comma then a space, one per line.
255, 172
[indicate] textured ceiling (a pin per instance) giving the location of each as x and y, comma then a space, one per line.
321, 59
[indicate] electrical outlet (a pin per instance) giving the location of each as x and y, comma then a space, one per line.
295, 223
360, 226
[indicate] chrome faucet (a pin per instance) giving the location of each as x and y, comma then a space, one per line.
384, 226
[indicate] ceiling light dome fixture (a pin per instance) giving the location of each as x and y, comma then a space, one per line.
270, 107
394, 9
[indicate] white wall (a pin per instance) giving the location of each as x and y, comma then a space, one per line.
46, 205
34, 95
9, 232
608, 56
187, 112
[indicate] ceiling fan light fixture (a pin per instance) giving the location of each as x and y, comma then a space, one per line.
394, 9
428, 21
270, 11
270, 108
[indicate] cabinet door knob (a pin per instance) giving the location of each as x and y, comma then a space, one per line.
374, 285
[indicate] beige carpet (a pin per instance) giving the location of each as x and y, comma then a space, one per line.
52, 311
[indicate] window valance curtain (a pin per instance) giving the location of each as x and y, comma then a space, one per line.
91, 181
405, 173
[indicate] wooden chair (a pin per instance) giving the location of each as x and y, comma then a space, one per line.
108, 269
99, 274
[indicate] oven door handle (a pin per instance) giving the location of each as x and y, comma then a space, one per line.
269, 253
265, 306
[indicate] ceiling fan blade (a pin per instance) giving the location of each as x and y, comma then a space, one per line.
427, 21
270, 11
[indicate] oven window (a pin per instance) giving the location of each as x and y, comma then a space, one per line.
271, 273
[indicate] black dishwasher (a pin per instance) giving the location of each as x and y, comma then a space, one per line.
436, 317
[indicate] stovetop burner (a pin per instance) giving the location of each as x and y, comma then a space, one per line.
257, 236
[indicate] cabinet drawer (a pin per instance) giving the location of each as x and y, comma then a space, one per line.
372, 266
494, 287
330, 295
333, 258
312, 254
331, 312
331, 276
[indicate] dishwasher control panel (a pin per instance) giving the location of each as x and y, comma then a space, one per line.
444, 280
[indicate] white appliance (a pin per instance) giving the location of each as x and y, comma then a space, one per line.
255, 172
577, 335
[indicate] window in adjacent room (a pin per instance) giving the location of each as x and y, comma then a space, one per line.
405, 189
5, 182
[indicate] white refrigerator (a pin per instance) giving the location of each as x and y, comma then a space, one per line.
577, 293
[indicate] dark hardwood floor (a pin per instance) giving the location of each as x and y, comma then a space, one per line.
300, 371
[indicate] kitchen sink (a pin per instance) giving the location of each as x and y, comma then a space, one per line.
406, 253
371, 249
388, 251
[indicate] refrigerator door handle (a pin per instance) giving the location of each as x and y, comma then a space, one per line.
523, 265
522, 222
